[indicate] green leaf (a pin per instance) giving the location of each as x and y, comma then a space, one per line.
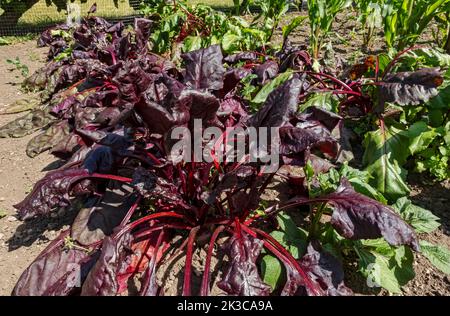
420, 137
21, 106
271, 270
421, 219
384, 155
324, 100
230, 42
272, 85
439, 256
192, 43
295, 22
385, 266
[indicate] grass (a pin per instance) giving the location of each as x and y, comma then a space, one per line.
41, 14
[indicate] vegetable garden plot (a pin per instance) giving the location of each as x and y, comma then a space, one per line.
111, 98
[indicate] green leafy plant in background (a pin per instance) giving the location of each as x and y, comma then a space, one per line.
441, 29
411, 136
381, 264
322, 14
19, 66
405, 20
271, 13
180, 26
370, 17
241, 7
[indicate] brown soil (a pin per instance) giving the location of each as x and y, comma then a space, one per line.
21, 242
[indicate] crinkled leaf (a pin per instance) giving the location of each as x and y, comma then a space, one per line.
142, 28
324, 269
204, 69
294, 141
26, 125
241, 276
55, 272
45, 141
385, 266
280, 106
244, 56
21, 106
439, 256
356, 216
102, 279
100, 216
406, 88
421, 219
266, 71
385, 152
49, 192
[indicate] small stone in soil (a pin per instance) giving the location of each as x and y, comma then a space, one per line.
1, 236
11, 219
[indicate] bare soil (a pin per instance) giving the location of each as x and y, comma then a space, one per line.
21, 242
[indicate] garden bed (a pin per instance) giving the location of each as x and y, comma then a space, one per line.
21, 242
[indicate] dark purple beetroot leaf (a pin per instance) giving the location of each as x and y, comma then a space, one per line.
241, 276
116, 29
204, 69
55, 272
413, 87
149, 185
325, 270
100, 160
232, 110
102, 279
266, 71
157, 118
64, 106
67, 146
124, 46
100, 215
296, 60
295, 285
71, 74
156, 92
109, 116
174, 87
231, 181
132, 81
118, 141
280, 105
79, 54
51, 191
49, 138
328, 119
232, 78
245, 56
142, 28
356, 216
294, 140
203, 106
84, 117
101, 99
